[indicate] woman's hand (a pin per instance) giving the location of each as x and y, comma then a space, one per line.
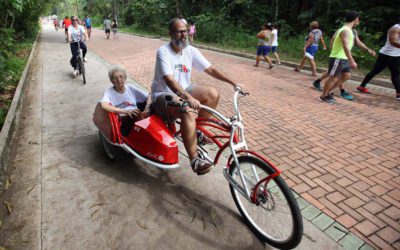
132, 112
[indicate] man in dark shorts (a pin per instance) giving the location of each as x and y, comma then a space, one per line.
88, 24
107, 27
341, 60
174, 64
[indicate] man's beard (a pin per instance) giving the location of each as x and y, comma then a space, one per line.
180, 43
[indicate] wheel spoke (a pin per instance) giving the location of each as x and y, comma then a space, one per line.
276, 217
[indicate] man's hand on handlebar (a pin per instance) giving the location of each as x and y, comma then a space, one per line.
194, 103
240, 89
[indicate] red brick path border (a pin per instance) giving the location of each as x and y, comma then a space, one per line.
343, 158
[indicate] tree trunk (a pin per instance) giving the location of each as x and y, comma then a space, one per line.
276, 9
12, 22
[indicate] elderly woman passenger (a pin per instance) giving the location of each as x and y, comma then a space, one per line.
124, 98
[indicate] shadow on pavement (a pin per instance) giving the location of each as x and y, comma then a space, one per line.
171, 193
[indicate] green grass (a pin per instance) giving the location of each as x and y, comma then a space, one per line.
10, 74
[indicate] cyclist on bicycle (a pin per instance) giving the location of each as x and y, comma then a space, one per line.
174, 64
65, 24
76, 33
56, 24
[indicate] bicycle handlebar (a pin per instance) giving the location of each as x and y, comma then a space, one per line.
183, 104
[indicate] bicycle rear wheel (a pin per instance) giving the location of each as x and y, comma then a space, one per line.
277, 219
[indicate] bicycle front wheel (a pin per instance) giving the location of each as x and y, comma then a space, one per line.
82, 69
276, 219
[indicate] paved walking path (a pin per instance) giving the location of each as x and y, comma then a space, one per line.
344, 158
65, 194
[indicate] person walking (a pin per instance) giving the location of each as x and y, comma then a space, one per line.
107, 27
311, 47
341, 60
388, 56
88, 25
274, 47
192, 31
264, 45
114, 27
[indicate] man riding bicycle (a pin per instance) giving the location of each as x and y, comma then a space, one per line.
65, 24
75, 37
174, 63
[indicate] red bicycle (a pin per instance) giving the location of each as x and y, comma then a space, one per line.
263, 198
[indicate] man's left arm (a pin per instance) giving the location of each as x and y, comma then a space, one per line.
362, 45
219, 75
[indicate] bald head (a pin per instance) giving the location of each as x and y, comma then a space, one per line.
174, 23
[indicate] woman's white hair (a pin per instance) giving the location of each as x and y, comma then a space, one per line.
114, 69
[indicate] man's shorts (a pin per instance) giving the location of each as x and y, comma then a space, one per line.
338, 66
160, 108
66, 30
312, 50
263, 50
88, 27
274, 49
107, 31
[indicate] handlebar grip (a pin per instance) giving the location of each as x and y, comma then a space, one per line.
173, 104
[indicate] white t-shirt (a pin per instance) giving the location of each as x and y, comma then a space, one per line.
275, 41
179, 65
389, 49
76, 34
127, 100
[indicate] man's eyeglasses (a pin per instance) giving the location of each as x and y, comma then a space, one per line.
74, 19
181, 31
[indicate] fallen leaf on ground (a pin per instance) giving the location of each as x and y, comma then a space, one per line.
8, 206
188, 197
204, 223
142, 224
30, 190
194, 217
215, 225
95, 211
213, 214
309, 237
94, 205
8, 184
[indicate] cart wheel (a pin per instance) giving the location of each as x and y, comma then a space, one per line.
112, 151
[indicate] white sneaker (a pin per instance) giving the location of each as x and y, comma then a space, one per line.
84, 59
75, 73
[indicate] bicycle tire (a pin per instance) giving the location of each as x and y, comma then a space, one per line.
112, 152
271, 217
82, 70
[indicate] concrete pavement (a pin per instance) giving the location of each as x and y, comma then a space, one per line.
344, 159
65, 194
